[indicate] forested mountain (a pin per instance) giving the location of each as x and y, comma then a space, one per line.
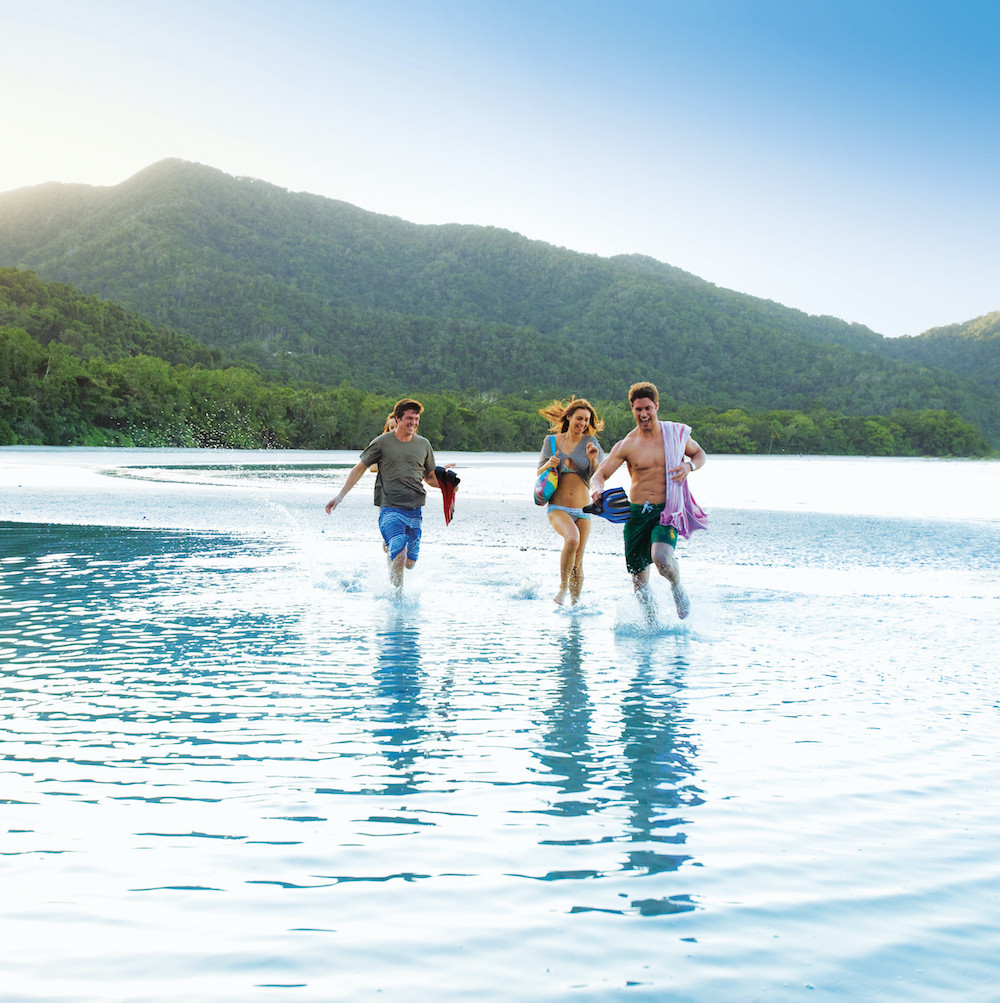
319, 290
972, 349
77, 370
92, 328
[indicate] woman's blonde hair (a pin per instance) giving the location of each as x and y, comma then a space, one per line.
558, 414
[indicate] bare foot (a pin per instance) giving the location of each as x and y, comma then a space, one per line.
681, 601
647, 604
559, 597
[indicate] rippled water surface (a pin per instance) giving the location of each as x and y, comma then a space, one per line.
236, 767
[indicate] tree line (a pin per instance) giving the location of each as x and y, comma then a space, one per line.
77, 370
48, 396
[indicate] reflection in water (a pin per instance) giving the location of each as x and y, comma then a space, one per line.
658, 754
567, 751
636, 779
657, 778
398, 682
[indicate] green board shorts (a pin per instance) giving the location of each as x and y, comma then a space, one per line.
642, 530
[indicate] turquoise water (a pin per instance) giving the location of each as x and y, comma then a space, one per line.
236, 767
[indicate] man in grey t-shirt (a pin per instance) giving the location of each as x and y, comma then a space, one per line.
405, 463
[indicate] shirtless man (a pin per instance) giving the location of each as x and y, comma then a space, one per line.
646, 541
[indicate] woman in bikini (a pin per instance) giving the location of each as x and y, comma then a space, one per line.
574, 425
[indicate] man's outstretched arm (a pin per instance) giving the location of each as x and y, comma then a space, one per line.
357, 472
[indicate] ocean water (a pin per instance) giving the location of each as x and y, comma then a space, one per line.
236, 767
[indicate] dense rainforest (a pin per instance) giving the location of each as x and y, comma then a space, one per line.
971, 349
77, 370
288, 310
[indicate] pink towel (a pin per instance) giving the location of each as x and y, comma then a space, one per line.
680, 509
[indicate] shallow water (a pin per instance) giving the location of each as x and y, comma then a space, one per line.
236, 767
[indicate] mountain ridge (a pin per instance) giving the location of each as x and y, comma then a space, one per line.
315, 288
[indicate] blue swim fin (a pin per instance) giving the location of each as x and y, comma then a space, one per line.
613, 505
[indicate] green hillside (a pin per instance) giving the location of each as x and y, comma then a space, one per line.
972, 349
77, 370
320, 291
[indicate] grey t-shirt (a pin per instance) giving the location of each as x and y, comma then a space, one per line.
401, 469
577, 460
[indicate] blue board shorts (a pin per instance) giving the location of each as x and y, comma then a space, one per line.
400, 529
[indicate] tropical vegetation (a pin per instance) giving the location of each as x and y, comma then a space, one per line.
188, 307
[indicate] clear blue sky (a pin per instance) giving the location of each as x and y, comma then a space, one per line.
838, 156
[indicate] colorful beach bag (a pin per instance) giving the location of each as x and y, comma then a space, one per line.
545, 486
